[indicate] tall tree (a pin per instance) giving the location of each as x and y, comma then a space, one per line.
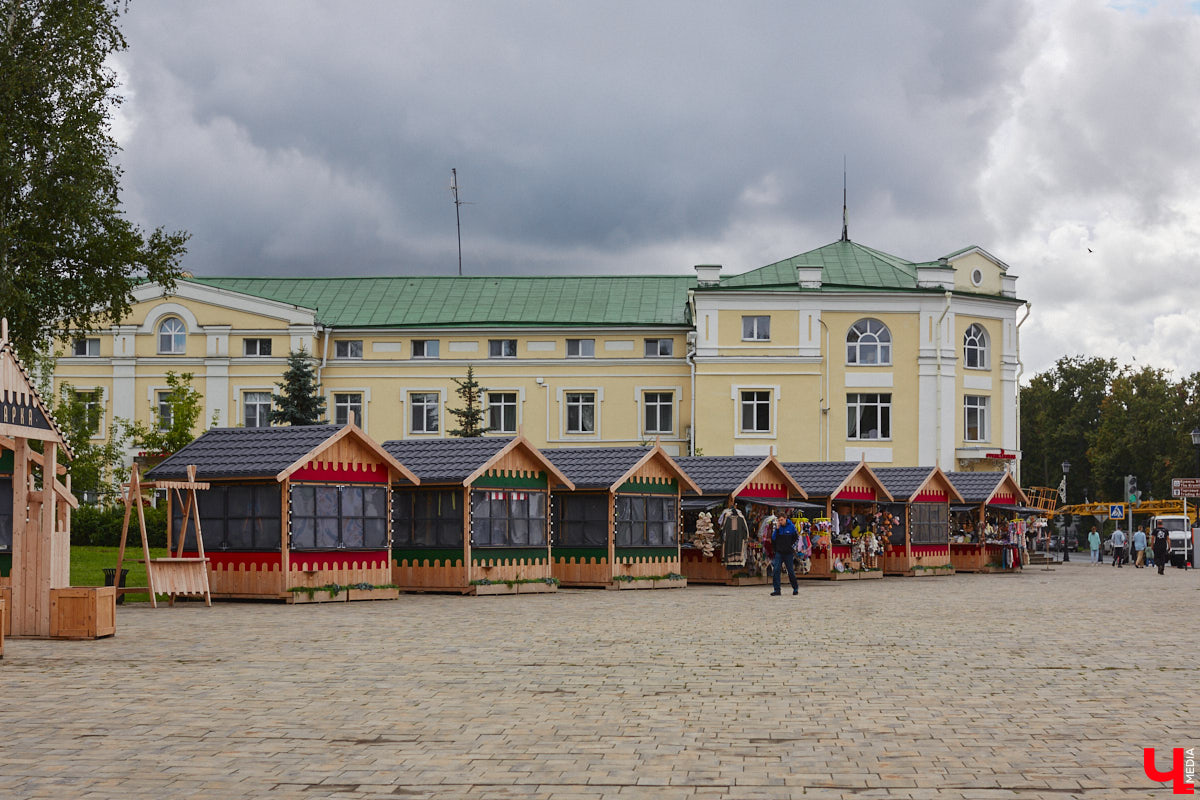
299, 401
172, 430
470, 416
68, 256
1060, 412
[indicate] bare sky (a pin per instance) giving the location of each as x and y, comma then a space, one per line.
316, 138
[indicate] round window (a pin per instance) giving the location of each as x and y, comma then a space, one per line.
976, 276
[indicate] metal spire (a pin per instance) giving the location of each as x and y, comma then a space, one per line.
845, 214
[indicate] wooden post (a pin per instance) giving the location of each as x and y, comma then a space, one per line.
24, 619
612, 535
466, 534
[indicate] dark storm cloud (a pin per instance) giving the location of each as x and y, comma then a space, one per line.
604, 129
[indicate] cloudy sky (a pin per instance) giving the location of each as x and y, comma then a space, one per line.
316, 138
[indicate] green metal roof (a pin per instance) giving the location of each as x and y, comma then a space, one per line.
416, 302
843, 263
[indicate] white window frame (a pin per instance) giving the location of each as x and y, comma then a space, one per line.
349, 349
860, 400
258, 342
581, 405
496, 348
246, 407
423, 404
978, 406
90, 344
647, 406
657, 343
741, 410
882, 339
516, 409
584, 348
756, 327
362, 406
178, 341
975, 341
426, 346
99, 404
160, 404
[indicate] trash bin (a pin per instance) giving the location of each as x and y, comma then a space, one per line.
109, 574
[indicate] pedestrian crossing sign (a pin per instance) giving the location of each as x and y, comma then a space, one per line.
1116, 511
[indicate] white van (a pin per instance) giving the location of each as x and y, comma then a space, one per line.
1181, 549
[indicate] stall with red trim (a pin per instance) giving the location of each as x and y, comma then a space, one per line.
920, 531
298, 513
619, 528
851, 495
722, 550
988, 527
479, 522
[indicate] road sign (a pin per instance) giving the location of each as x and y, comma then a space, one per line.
1186, 487
1116, 511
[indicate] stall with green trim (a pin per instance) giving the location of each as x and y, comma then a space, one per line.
619, 528
479, 523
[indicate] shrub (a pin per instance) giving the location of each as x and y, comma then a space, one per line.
101, 526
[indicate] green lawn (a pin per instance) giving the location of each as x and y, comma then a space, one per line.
88, 565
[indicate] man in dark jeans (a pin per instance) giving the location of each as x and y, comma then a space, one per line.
784, 541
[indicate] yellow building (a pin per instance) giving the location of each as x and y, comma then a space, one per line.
839, 353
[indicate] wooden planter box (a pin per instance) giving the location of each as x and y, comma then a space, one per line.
671, 583
372, 594
83, 612
494, 588
318, 596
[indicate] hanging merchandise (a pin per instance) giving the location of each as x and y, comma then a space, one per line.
705, 537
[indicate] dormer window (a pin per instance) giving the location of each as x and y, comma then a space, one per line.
172, 337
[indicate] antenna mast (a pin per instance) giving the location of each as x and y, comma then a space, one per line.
457, 216
845, 213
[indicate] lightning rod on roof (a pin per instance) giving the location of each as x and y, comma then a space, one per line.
845, 213
457, 216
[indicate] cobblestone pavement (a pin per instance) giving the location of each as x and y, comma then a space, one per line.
1046, 684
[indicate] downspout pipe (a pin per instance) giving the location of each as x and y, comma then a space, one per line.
691, 360
825, 388
938, 351
324, 351
1020, 372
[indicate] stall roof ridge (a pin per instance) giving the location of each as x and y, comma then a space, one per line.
976, 487
903, 482
719, 474
595, 467
446, 460
453, 301
244, 452
821, 478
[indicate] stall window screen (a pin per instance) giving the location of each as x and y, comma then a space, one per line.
505, 518
581, 520
930, 523
244, 517
6, 515
646, 520
427, 518
339, 517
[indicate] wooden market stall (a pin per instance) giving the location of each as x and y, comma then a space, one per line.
920, 533
35, 519
619, 528
289, 510
988, 534
756, 486
479, 521
851, 494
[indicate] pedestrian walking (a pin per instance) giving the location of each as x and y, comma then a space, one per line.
1094, 545
1139, 547
784, 540
1162, 541
1118, 546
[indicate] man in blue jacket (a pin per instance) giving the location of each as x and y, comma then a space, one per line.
784, 540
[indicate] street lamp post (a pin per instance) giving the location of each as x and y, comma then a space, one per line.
1066, 467
1196, 442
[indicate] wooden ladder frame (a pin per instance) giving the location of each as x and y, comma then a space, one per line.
173, 575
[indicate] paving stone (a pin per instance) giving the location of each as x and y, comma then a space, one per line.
974, 686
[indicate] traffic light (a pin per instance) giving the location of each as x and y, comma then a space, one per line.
1131, 490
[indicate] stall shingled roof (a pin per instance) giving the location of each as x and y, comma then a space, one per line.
978, 487
904, 482
724, 475
821, 478
259, 452
461, 460
243, 452
604, 467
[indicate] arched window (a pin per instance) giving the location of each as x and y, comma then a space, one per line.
975, 347
869, 342
172, 336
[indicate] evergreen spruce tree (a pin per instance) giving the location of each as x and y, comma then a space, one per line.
301, 402
470, 416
